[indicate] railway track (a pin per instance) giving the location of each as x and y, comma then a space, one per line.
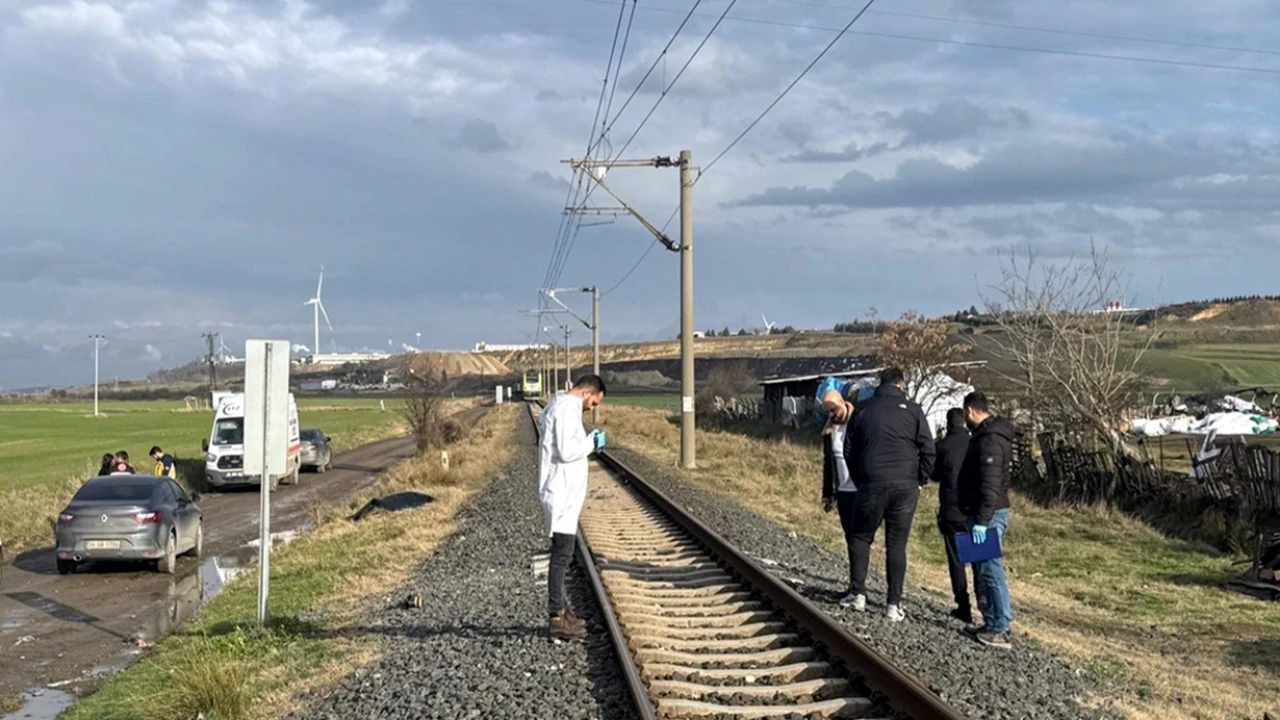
702, 631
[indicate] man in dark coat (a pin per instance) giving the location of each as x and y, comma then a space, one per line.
949, 453
984, 499
889, 448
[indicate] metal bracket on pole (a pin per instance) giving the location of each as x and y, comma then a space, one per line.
586, 166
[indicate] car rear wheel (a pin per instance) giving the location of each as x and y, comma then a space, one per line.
66, 567
198, 548
169, 562
321, 467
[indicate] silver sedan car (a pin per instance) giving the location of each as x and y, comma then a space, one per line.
316, 452
127, 517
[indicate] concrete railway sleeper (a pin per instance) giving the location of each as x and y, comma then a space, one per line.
701, 631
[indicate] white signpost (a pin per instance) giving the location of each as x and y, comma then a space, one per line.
497, 395
266, 437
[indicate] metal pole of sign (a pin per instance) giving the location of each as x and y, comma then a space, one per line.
264, 512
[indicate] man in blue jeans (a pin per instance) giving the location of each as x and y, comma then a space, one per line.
983, 488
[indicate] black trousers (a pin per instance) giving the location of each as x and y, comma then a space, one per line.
959, 581
561, 556
895, 507
844, 505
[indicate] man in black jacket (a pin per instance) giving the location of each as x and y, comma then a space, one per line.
984, 499
889, 448
950, 452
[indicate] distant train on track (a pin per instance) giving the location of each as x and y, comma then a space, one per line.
531, 384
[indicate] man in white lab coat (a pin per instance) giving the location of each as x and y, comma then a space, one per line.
562, 487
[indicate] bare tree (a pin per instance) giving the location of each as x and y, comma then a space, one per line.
1077, 363
424, 412
922, 349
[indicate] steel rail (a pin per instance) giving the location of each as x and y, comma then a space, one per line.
902, 691
639, 691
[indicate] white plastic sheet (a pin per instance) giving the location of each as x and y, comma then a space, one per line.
1223, 423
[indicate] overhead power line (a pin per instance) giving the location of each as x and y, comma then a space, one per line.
988, 46
783, 94
1037, 28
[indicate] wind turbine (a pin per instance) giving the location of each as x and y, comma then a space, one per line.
768, 326
318, 309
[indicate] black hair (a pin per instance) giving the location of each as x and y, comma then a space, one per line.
155, 449
977, 401
955, 417
123, 456
892, 376
108, 458
592, 383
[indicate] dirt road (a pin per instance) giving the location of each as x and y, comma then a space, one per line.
70, 630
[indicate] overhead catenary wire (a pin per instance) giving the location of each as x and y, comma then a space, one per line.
666, 89
786, 90
559, 250
569, 229
989, 46
1037, 28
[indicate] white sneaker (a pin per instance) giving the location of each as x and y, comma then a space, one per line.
895, 614
857, 602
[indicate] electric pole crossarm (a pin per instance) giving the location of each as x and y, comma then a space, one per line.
552, 294
585, 166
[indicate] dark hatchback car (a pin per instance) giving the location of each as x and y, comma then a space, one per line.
316, 451
126, 517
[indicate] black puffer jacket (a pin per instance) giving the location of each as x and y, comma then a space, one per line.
950, 452
987, 470
889, 444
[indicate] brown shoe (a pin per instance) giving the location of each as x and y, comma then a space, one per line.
572, 616
566, 627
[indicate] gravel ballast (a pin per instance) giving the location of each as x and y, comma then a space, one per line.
982, 683
479, 647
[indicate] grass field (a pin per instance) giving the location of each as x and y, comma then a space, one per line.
1199, 367
46, 451
1139, 610
220, 667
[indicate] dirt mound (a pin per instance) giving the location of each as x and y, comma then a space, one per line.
455, 365
638, 378
1252, 313
1247, 313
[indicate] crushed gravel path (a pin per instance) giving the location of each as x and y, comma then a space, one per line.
1024, 682
479, 648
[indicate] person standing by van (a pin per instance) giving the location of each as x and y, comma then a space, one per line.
166, 466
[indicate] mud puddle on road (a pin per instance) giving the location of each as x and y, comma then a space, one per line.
186, 596
42, 704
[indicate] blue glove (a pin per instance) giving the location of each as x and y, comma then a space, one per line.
979, 534
597, 439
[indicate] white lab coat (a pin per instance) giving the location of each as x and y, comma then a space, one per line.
562, 463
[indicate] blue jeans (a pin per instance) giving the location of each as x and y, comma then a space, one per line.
997, 612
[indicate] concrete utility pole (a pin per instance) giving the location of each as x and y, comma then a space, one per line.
592, 169
568, 358
96, 339
688, 458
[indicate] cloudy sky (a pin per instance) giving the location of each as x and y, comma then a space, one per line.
169, 167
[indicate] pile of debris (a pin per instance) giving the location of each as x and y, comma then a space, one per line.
1209, 415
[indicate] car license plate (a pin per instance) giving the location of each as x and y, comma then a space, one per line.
235, 476
102, 545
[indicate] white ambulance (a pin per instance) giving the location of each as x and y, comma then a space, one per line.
224, 448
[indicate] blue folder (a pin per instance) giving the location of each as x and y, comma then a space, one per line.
971, 552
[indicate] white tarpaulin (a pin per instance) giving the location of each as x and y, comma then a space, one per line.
936, 393
1223, 423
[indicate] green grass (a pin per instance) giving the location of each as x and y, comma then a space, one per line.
1201, 367
669, 402
46, 451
